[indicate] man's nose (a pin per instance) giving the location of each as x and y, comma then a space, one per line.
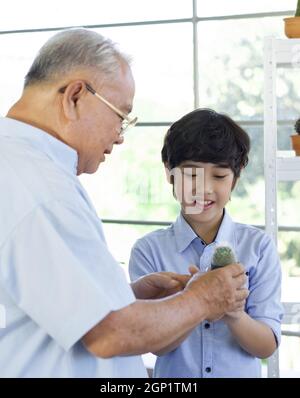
119, 140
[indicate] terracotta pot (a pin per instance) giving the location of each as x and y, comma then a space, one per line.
296, 143
292, 27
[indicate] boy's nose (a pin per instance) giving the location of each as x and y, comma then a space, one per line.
208, 188
208, 191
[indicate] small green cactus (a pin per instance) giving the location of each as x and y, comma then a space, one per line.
297, 126
223, 255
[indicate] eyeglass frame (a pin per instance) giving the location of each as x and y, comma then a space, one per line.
130, 122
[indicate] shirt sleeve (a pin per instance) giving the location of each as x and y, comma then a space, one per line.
140, 262
264, 301
58, 270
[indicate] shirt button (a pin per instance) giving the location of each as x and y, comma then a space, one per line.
208, 369
207, 326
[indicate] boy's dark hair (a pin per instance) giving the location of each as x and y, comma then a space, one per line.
206, 136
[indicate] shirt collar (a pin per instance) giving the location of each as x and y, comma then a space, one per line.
184, 234
62, 154
226, 231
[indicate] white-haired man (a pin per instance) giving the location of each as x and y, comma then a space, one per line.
69, 310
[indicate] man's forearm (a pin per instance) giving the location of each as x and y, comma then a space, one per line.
145, 326
174, 345
150, 325
253, 336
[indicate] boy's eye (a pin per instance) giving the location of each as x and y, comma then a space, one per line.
189, 174
221, 177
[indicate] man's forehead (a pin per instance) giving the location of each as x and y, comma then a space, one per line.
120, 90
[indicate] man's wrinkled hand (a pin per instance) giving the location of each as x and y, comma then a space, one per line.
220, 291
159, 284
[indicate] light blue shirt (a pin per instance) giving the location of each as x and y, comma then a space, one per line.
57, 277
210, 350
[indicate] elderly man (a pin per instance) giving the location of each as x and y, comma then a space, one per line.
69, 310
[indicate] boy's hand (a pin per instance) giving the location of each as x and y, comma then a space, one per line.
193, 269
233, 315
159, 285
229, 316
219, 291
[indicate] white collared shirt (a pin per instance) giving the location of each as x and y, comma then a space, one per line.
57, 277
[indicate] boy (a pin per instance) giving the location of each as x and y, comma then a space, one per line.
230, 347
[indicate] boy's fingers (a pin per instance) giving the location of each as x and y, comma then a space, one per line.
193, 269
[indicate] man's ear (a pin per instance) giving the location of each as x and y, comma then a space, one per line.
71, 96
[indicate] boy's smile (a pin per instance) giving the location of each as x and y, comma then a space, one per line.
203, 205
203, 208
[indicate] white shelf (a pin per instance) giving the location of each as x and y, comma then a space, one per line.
288, 169
278, 165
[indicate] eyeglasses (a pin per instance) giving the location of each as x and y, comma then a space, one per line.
127, 122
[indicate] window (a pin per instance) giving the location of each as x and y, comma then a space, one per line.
215, 8
227, 75
34, 14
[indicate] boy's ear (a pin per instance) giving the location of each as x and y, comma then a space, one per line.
168, 173
234, 183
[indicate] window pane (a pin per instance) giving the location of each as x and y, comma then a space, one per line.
131, 184
39, 14
162, 68
289, 241
121, 238
163, 73
248, 199
17, 52
231, 73
236, 7
285, 130
287, 90
288, 203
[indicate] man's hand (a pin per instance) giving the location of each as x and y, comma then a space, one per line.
220, 291
159, 284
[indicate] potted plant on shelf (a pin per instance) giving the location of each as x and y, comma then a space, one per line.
296, 138
292, 24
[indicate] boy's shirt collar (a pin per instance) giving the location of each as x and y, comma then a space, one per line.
184, 234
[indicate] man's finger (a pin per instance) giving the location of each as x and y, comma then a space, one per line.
181, 278
240, 280
236, 269
167, 281
241, 294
